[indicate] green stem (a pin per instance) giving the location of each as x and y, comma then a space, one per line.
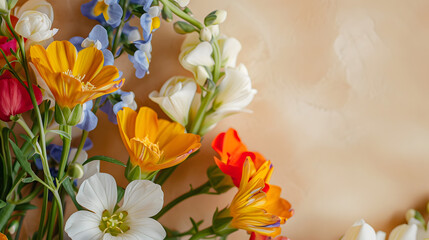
5, 214
119, 30
196, 124
217, 59
193, 192
202, 234
65, 152
43, 214
164, 175
60, 215
180, 13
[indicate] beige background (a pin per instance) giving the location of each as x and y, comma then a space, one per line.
342, 107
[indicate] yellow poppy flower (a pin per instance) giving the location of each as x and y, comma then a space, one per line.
72, 77
153, 143
248, 208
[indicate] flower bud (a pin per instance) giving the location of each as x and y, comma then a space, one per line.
67, 116
183, 27
13, 227
205, 34
182, 3
215, 17
219, 181
3, 6
222, 222
35, 26
75, 171
410, 214
134, 172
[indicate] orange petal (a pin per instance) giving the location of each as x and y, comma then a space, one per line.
61, 55
38, 56
167, 131
147, 124
180, 145
126, 123
105, 78
88, 63
277, 205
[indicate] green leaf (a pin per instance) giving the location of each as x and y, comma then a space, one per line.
70, 191
121, 193
105, 159
22, 160
25, 206
28, 180
182, 27
167, 14
61, 133
210, 18
219, 181
2, 204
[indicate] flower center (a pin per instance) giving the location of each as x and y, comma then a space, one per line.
86, 86
114, 223
101, 8
146, 151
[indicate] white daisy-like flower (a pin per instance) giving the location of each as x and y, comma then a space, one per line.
104, 220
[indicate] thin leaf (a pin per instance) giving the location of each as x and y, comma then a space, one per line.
22, 160
2, 204
25, 206
61, 133
106, 159
121, 193
70, 191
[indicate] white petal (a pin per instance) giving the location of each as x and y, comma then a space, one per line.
404, 232
360, 231
230, 47
98, 193
83, 225
145, 229
201, 55
182, 3
36, 5
142, 199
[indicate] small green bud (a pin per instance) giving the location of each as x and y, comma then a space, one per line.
215, 17
205, 34
222, 222
75, 171
219, 181
133, 172
183, 27
67, 116
166, 14
13, 226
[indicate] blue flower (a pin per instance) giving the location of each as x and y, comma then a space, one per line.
116, 101
98, 38
130, 33
149, 22
88, 121
144, 3
104, 11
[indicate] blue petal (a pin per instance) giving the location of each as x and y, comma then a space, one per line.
38, 163
55, 152
146, 23
115, 14
145, 3
118, 107
99, 33
87, 145
140, 63
108, 109
89, 121
87, 10
108, 57
77, 42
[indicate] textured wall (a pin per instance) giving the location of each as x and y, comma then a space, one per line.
342, 107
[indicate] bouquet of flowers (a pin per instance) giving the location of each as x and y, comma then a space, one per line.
52, 89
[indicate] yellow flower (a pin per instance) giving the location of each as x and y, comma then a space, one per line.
248, 208
74, 78
153, 143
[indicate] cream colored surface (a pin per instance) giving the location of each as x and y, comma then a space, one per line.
342, 108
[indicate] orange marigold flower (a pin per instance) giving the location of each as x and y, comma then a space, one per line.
74, 78
153, 143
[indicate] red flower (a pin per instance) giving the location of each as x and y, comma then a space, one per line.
14, 98
233, 153
6, 45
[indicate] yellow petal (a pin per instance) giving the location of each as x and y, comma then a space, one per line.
167, 131
88, 63
38, 56
126, 123
147, 124
62, 56
105, 77
181, 146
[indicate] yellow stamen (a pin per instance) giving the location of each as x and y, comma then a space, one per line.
101, 8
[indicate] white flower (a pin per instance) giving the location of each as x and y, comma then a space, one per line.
229, 47
36, 5
196, 57
182, 3
3, 6
98, 194
175, 98
404, 232
362, 231
89, 169
35, 26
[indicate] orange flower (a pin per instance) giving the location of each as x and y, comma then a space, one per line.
74, 78
3, 237
153, 143
233, 153
257, 236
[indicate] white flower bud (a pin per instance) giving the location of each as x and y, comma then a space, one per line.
36, 5
175, 98
410, 214
360, 231
35, 26
182, 3
220, 17
3, 6
205, 34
